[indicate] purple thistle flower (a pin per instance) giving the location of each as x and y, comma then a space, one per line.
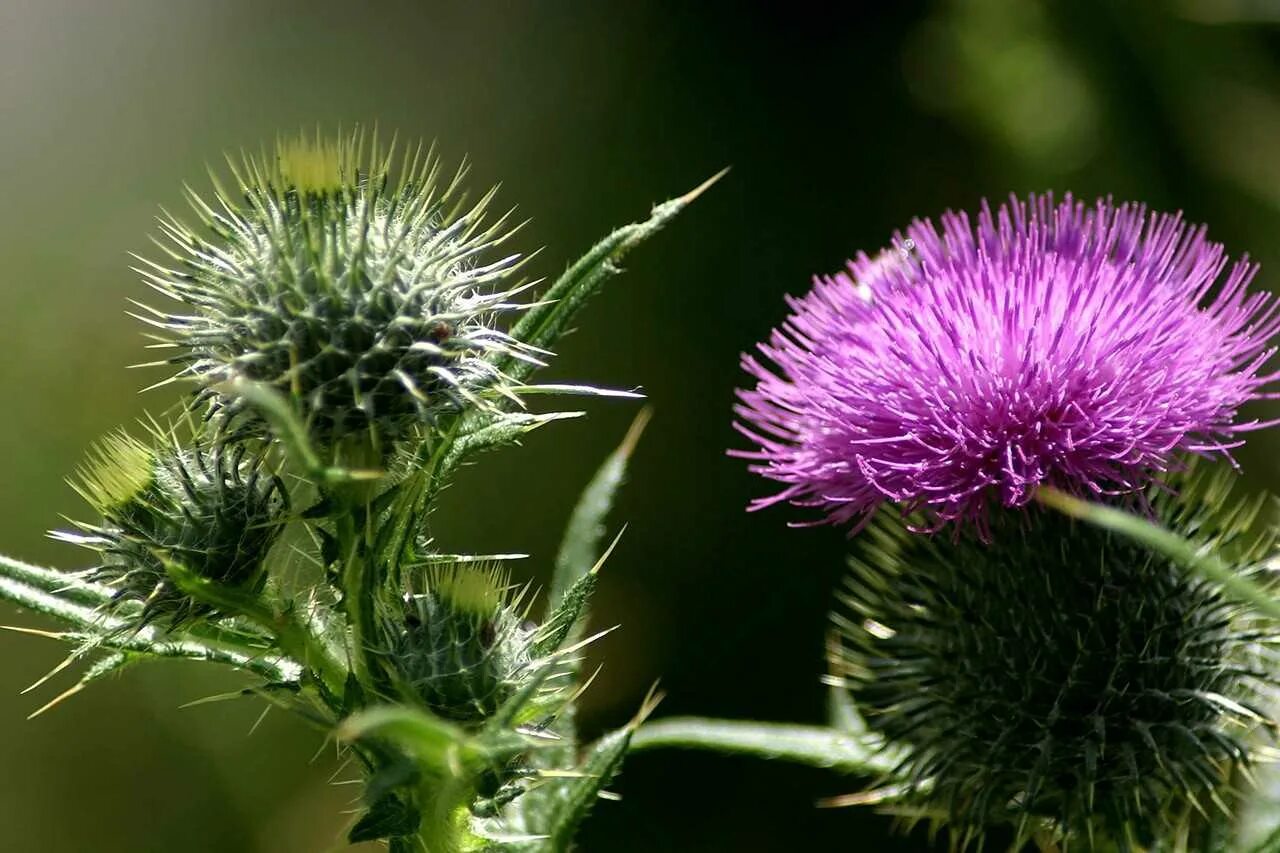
1052, 344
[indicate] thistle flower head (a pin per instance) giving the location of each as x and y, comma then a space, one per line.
464, 645
1061, 679
1048, 344
214, 510
353, 287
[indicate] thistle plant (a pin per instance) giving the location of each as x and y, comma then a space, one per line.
1007, 659
348, 331
1048, 344
1061, 679
214, 510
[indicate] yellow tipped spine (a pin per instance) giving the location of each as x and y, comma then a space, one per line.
117, 469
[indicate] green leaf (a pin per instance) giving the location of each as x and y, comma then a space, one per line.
65, 586
65, 598
436, 457
294, 638
580, 548
1270, 844
507, 429
544, 323
388, 817
291, 432
816, 746
435, 744
574, 797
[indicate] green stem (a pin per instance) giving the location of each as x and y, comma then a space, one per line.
355, 568
84, 606
1173, 546
815, 746
294, 638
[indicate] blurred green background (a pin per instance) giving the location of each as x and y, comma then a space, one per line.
839, 127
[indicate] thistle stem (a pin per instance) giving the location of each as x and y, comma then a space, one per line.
815, 746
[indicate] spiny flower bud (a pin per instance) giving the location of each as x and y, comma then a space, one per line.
465, 644
1062, 680
357, 294
213, 510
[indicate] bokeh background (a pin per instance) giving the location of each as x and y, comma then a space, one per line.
839, 126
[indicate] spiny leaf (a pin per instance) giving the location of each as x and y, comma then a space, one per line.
291, 432
580, 548
93, 628
438, 746
66, 587
294, 638
506, 429
388, 817
815, 746
545, 322
574, 798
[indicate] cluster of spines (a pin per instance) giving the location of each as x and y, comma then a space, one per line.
213, 509
465, 643
1060, 679
359, 295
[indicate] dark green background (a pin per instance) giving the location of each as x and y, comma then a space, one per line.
839, 128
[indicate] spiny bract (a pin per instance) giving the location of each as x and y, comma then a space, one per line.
360, 295
465, 645
1061, 679
214, 510
1046, 343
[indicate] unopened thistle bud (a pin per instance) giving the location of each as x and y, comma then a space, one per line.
358, 293
1063, 680
466, 646
215, 511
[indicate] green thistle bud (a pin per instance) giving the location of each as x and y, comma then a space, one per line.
1062, 680
466, 646
359, 295
213, 510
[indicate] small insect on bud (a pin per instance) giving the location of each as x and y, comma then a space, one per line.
464, 645
1062, 680
353, 287
213, 510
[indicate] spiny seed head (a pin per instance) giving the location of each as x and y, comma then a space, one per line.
464, 645
346, 277
1060, 679
215, 510
1043, 342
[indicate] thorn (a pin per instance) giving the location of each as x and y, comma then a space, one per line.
57, 700
629, 441
651, 701
566, 774
36, 632
862, 798
605, 556
51, 673
703, 187
258, 721
584, 643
